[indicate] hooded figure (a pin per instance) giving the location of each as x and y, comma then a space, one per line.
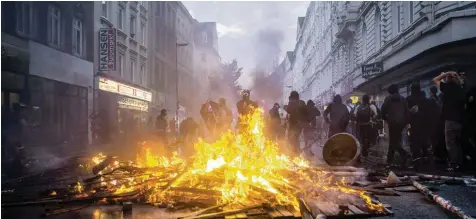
296, 110
419, 111
395, 112
337, 116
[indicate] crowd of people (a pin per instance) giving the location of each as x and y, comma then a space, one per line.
437, 128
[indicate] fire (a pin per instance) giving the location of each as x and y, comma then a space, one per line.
238, 169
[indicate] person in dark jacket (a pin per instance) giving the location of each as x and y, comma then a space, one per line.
161, 126
296, 108
437, 132
275, 122
419, 131
365, 114
244, 107
337, 116
310, 127
395, 113
452, 111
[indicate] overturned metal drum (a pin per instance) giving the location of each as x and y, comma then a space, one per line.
341, 149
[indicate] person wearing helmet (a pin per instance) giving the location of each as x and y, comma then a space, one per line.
245, 106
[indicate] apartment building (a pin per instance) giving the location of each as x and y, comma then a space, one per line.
47, 62
207, 60
350, 48
122, 91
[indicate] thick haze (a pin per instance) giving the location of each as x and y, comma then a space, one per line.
257, 34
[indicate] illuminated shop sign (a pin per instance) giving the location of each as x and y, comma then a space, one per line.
122, 89
129, 103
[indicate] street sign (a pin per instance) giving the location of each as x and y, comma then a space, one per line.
107, 49
372, 69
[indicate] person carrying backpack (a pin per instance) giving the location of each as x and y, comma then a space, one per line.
365, 115
395, 113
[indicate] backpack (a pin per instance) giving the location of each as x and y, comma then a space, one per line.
364, 114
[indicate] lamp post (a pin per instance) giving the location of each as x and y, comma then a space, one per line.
177, 45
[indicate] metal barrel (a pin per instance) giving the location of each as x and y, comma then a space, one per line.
341, 149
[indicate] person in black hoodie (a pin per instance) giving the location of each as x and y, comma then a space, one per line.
437, 126
453, 111
395, 112
419, 133
310, 126
296, 115
337, 116
275, 122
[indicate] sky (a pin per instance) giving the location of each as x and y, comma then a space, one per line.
256, 34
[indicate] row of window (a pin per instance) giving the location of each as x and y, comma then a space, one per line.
121, 21
26, 25
131, 75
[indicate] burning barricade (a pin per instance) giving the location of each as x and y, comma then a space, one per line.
241, 173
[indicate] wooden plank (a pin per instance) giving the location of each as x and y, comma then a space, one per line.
356, 210
230, 217
241, 215
327, 208
295, 212
273, 213
285, 213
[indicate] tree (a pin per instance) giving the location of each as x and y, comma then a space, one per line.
226, 84
265, 87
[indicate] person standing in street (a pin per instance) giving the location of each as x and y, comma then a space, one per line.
365, 114
437, 127
337, 116
395, 113
275, 122
419, 131
295, 110
452, 110
350, 108
161, 128
310, 128
244, 107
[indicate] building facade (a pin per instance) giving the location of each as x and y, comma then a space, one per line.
47, 62
122, 93
350, 48
207, 60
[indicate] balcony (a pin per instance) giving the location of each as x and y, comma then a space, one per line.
347, 20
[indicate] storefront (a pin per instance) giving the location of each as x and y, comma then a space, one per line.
124, 106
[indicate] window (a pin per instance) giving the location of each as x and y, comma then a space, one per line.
396, 22
364, 42
120, 66
142, 33
132, 26
132, 74
410, 12
24, 18
54, 24
104, 7
142, 75
378, 28
120, 18
77, 37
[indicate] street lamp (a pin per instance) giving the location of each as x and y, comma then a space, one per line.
177, 45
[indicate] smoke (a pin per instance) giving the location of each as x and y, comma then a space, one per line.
268, 48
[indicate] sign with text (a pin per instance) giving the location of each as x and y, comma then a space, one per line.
372, 69
123, 89
107, 49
